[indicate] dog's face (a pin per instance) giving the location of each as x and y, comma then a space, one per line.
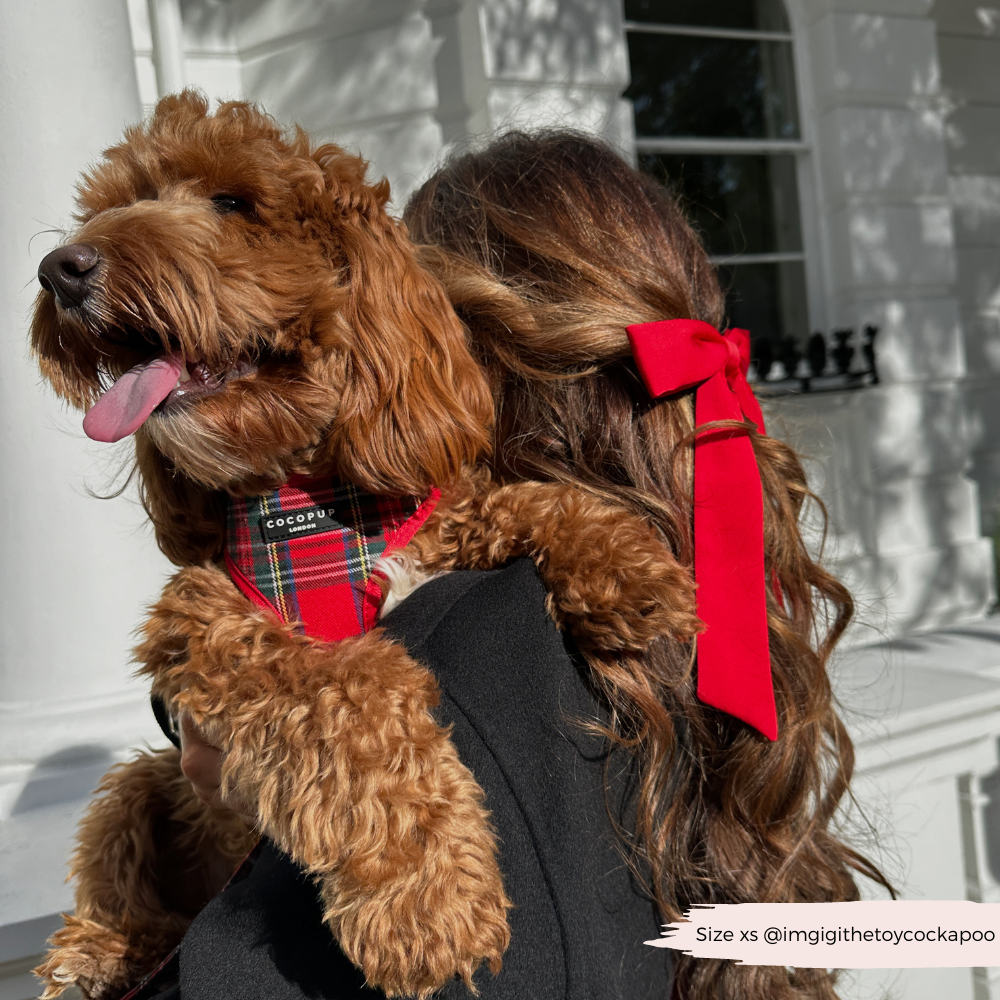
247, 308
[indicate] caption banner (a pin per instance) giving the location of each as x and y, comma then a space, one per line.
899, 934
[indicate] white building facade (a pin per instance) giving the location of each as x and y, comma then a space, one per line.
895, 161
898, 103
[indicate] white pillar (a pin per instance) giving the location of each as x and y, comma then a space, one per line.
76, 571
460, 71
168, 45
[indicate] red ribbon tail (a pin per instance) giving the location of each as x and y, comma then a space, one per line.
734, 662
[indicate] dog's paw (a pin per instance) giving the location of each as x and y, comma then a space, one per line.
429, 905
414, 919
613, 584
414, 946
177, 622
88, 956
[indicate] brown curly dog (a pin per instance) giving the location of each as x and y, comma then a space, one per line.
306, 341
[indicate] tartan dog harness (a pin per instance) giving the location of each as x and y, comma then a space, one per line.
308, 550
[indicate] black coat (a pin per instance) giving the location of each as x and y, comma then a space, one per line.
515, 696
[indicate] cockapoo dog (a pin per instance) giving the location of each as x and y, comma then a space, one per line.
261, 318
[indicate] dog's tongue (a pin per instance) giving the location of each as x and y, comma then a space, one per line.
125, 406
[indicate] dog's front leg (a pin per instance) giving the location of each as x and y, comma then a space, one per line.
149, 855
335, 747
613, 583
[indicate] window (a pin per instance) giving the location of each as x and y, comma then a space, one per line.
717, 120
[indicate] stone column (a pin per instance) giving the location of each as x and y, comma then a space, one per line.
407, 83
76, 570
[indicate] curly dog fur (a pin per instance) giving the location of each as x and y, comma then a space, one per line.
316, 344
145, 810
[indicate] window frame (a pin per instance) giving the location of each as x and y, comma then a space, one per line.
811, 255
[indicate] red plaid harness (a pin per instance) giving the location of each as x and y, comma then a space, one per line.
308, 550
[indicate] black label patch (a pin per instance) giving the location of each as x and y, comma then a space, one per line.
285, 524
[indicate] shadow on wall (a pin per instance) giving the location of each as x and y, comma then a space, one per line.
560, 63
357, 73
568, 40
402, 85
968, 42
66, 776
902, 530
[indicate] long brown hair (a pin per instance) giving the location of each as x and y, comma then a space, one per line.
549, 245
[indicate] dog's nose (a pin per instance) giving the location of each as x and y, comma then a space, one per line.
67, 272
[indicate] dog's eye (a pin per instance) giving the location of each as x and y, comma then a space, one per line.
227, 203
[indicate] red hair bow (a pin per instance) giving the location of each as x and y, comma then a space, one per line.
734, 662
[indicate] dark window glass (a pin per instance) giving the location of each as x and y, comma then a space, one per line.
738, 203
751, 15
769, 300
700, 85
719, 87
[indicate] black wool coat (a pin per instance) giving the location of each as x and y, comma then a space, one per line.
515, 696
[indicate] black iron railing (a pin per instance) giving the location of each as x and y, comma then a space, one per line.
820, 368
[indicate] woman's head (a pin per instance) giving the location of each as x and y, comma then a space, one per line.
568, 223
549, 246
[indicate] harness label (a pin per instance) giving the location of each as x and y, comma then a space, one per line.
285, 524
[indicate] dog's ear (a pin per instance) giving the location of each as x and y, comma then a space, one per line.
188, 519
416, 405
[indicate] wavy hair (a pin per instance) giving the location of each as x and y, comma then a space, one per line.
549, 245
